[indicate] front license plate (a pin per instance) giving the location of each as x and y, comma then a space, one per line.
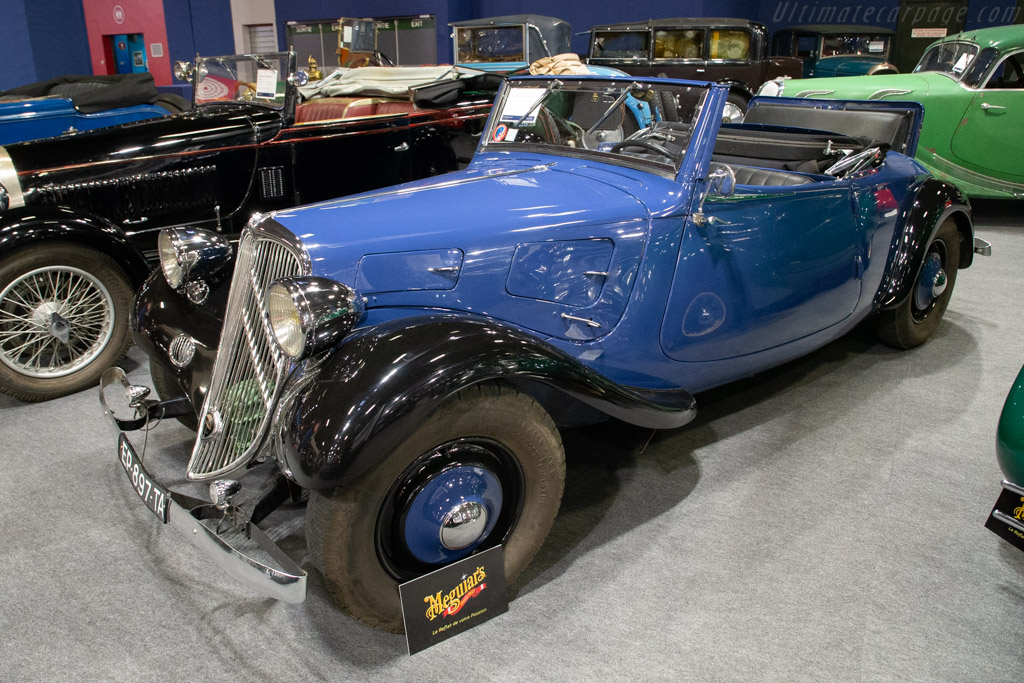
155, 496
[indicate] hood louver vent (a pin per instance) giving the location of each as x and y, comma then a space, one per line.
146, 194
272, 182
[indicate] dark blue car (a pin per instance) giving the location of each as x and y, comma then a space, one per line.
69, 104
407, 356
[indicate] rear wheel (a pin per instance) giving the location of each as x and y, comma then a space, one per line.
912, 322
735, 108
63, 319
486, 468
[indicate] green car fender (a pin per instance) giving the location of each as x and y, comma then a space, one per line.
1010, 435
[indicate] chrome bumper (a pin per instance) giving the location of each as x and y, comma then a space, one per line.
286, 583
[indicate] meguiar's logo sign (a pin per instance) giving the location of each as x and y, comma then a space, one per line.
448, 604
454, 598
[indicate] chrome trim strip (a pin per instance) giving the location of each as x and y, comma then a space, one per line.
944, 165
1009, 485
886, 92
9, 179
1007, 519
287, 584
812, 93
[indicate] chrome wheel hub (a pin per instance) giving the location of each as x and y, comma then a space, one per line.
932, 282
464, 525
54, 321
731, 113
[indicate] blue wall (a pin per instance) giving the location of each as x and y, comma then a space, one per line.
198, 27
17, 66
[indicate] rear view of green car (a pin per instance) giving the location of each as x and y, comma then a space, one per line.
972, 87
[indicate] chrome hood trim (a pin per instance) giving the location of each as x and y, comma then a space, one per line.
9, 179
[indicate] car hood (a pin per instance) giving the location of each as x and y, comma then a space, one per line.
887, 86
493, 204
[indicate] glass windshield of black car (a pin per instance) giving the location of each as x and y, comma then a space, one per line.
951, 58
261, 79
621, 45
489, 44
630, 123
862, 44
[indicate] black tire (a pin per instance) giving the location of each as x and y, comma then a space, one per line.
669, 106
96, 326
734, 102
167, 387
911, 324
350, 533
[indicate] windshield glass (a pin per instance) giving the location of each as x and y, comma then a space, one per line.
951, 58
243, 78
489, 44
620, 45
626, 122
861, 44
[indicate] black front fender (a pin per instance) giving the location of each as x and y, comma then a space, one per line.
342, 412
935, 202
26, 226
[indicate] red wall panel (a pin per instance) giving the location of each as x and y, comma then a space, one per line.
110, 17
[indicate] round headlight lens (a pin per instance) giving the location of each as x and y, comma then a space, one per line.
169, 261
285, 320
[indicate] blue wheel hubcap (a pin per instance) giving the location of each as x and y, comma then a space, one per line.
452, 514
932, 282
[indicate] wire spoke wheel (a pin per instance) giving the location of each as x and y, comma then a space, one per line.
61, 325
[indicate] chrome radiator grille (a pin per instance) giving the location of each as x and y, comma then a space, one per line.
249, 367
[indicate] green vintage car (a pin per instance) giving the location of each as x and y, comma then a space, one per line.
1007, 518
972, 87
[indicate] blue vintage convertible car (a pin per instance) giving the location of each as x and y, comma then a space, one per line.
406, 356
68, 104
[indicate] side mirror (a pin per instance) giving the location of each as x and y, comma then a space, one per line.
299, 79
184, 71
721, 181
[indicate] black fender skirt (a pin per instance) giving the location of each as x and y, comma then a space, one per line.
25, 226
935, 202
341, 412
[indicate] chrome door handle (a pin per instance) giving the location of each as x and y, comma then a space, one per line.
588, 322
404, 147
136, 221
444, 269
985, 106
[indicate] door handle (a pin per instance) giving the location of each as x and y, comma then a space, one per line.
404, 147
137, 221
985, 106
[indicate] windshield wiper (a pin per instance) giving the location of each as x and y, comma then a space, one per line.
552, 86
618, 100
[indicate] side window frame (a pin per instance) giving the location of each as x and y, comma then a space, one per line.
1017, 56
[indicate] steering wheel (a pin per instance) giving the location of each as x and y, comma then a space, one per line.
646, 144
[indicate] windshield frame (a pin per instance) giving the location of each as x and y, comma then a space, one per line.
287, 99
606, 87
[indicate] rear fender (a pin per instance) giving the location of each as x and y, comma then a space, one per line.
935, 202
342, 412
26, 226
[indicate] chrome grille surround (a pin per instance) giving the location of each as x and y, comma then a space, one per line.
250, 368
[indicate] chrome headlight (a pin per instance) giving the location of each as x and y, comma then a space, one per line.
308, 314
773, 88
190, 251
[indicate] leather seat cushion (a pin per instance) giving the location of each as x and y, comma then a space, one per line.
765, 177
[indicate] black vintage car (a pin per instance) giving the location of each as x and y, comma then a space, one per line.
723, 50
79, 214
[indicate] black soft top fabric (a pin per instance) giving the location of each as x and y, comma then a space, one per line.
93, 93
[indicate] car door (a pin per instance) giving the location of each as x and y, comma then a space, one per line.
763, 267
989, 135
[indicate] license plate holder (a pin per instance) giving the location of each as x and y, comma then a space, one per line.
155, 497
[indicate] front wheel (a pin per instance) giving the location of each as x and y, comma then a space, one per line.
485, 468
63, 319
912, 322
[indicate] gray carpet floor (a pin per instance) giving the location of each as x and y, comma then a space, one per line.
822, 521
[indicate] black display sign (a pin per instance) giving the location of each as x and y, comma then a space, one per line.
453, 599
1011, 504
